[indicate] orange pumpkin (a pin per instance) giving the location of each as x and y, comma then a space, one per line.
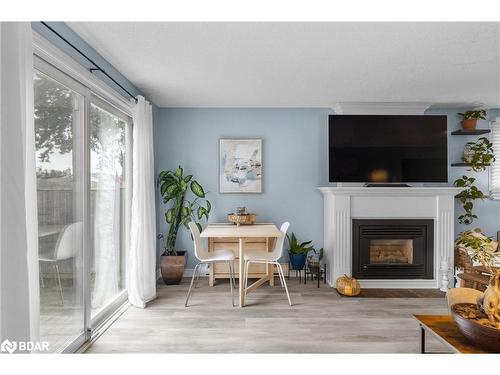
348, 286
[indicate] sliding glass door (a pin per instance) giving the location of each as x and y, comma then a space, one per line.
59, 116
110, 200
83, 150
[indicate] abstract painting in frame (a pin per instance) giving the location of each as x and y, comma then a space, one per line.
240, 165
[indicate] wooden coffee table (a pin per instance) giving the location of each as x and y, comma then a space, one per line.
444, 328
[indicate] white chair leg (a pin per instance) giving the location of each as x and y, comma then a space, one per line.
279, 276
197, 278
234, 276
59, 282
247, 265
191, 285
230, 263
280, 270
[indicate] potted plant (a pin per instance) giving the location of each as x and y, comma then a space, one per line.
481, 154
298, 252
469, 118
173, 189
481, 158
314, 261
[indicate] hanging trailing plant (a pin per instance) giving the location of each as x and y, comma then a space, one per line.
467, 197
482, 157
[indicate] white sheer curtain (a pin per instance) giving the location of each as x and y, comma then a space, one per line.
19, 290
141, 265
107, 214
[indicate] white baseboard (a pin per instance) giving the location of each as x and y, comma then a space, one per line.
396, 284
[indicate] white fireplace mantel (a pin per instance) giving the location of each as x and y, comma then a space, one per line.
342, 204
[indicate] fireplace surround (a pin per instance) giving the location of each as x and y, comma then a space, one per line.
392, 248
343, 204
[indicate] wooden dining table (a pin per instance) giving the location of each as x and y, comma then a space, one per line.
242, 233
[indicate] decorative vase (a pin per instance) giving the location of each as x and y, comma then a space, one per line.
469, 124
172, 268
468, 153
348, 286
297, 261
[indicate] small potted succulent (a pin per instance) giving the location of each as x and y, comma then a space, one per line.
469, 118
298, 252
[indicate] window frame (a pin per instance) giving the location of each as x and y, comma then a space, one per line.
495, 166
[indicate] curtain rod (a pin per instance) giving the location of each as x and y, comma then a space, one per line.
97, 67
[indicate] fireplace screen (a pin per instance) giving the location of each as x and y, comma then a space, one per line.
391, 251
392, 248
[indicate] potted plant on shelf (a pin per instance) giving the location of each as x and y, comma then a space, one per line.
469, 118
481, 154
298, 252
174, 186
481, 158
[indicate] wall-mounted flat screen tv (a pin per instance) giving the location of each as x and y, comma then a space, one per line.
388, 149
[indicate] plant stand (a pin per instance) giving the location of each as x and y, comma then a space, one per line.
297, 272
317, 272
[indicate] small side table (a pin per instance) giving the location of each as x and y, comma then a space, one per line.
444, 328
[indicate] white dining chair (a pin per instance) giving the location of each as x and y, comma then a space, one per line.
206, 257
68, 245
269, 257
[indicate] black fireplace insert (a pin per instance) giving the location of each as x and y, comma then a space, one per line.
392, 248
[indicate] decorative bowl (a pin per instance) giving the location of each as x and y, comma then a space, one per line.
479, 334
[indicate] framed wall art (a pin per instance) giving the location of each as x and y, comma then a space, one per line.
240, 165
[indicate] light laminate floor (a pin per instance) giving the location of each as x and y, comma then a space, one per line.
320, 321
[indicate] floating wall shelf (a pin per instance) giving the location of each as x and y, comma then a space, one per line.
471, 132
464, 164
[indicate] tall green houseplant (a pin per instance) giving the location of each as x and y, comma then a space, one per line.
174, 186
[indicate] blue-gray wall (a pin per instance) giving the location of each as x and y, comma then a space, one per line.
295, 163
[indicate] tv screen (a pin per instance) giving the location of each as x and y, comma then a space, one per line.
388, 149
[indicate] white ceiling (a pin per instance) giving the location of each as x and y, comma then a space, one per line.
303, 64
